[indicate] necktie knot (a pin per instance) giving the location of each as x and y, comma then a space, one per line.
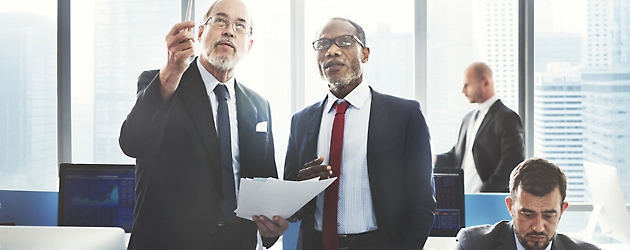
221, 91
341, 107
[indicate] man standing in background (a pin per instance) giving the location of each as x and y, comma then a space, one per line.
490, 142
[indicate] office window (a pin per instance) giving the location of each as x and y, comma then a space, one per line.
28, 100
589, 90
114, 41
458, 34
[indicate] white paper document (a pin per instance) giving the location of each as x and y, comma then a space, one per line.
271, 197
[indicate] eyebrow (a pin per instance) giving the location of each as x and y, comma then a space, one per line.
549, 211
226, 16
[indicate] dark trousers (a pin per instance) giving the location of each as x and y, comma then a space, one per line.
233, 237
363, 241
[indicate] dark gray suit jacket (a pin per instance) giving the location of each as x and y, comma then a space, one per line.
399, 169
500, 236
178, 172
497, 149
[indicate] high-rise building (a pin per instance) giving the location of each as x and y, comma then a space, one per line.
558, 123
606, 87
496, 42
556, 47
28, 114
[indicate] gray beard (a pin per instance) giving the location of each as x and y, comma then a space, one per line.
345, 80
223, 63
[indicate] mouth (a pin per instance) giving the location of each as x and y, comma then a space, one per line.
537, 238
333, 65
224, 43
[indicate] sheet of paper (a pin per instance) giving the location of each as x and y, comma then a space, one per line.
270, 197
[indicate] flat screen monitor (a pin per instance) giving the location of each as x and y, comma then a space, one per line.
449, 194
603, 182
99, 195
61, 238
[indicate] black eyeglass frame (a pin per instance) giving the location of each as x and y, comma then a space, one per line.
339, 44
227, 23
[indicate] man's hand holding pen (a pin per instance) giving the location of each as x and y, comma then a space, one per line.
180, 42
314, 169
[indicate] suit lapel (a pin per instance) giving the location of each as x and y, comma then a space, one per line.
489, 117
195, 97
314, 120
556, 244
246, 114
378, 114
507, 238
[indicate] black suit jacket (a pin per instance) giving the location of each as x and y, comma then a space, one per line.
500, 236
178, 172
497, 149
398, 163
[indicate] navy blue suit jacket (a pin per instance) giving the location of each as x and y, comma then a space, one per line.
178, 172
399, 169
498, 147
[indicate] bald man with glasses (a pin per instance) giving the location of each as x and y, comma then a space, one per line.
376, 145
195, 131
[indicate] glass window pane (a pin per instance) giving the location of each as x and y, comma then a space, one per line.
390, 39
460, 32
28, 116
112, 43
582, 88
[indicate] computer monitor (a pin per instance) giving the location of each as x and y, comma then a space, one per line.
449, 194
608, 202
61, 238
98, 195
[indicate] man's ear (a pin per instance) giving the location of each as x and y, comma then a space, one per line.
509, 203
365, 55
200, 33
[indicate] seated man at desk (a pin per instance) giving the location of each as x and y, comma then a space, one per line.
536, 203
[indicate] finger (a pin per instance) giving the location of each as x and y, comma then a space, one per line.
315, 162
177, 28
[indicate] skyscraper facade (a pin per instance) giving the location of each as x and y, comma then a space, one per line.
28, 113
606, 87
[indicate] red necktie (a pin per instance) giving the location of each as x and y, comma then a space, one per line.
331, 197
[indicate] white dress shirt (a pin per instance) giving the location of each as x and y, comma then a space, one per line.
355, 210
211, 82
472, 182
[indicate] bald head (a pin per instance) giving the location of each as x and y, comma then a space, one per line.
478, 84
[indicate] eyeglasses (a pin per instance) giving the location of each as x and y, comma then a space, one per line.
340, 41
222, 22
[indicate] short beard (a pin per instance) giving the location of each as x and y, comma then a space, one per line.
223, 62
345, 80
524, 242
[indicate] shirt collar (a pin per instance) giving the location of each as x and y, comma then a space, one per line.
485, 106
211, 82
357, 97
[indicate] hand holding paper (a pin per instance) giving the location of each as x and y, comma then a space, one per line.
271, 197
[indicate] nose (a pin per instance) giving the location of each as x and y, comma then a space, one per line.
538, 225
333, 50
228, 30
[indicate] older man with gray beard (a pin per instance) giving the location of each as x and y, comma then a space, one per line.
195, 131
